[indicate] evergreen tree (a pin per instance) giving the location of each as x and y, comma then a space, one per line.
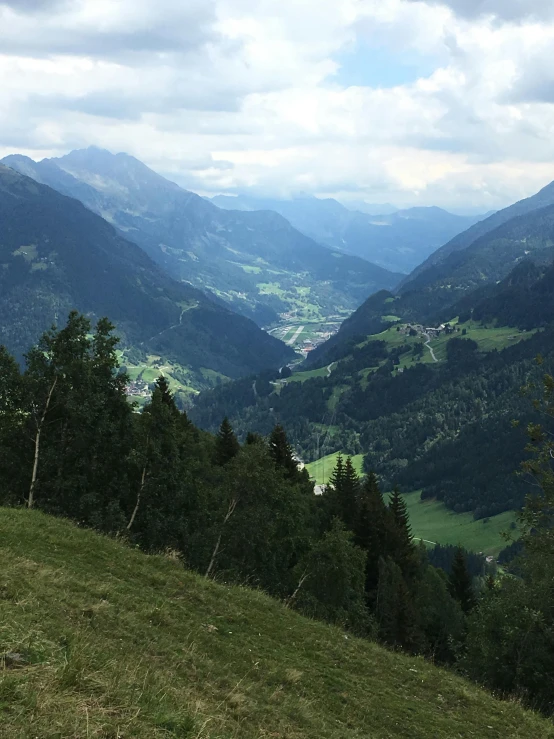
166, 396
343, 493
460, 585
372, 529
337, 474
227, 445
330, 581
395, 610
400, 544
349, 495
12, 399
440, 616
282, 452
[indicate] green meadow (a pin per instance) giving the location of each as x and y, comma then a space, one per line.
431, 520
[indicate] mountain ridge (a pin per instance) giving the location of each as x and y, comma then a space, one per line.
58, 255
397, 240
257, 262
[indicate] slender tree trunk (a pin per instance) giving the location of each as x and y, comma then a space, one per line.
141, 488
301, 582
230, 511
31, 498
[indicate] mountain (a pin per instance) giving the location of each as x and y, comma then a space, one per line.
488, 259
257, 262
135, 645
542, 199
398, 240
372, 209
56, 256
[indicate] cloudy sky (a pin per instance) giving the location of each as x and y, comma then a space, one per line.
414, 102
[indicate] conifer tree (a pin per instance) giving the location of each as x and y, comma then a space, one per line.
349, 495
166, 396
227, 445
460, 585
372, 528
282, 453
395, 610
400, 543
337, 474
343, 493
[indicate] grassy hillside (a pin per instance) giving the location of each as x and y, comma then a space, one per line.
321, 470
118, 644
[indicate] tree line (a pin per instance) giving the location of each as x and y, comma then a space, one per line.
72, 444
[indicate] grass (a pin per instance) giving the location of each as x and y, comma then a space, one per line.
435, 524
120, 644
321, 470
487, 337
431, 520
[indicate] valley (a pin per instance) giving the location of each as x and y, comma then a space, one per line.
277, 369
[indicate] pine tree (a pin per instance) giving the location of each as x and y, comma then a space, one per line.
282, 453
343, 493
372, 528
395, 609
399, 510
166, 396
400, 544
227, 445
460, 584
337, 474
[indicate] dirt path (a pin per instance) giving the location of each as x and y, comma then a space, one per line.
428, 345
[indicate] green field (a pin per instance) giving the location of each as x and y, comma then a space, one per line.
487, 338
435, 524
321, 470
432, 521
116, 643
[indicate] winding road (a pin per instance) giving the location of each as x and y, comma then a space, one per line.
428, 345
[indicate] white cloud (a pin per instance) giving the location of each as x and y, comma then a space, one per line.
230, 94
507, 10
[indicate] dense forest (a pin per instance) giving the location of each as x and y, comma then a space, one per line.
434, 427
72, 445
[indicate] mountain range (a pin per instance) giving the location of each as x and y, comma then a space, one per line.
254, 261
398, 240
425, 382
56, 255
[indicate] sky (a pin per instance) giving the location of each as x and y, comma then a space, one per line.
413, 102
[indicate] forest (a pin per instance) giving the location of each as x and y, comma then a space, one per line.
72, 445
432, 427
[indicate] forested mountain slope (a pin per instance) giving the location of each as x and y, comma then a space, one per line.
458, 283
399, 241
542, 199
116, 642
442, 427
257, 262
56, 255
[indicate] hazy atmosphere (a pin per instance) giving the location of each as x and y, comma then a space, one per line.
413, 103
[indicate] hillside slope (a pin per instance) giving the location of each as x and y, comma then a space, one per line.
398, 241
56, 255
113, 643
542, 199
256, 262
